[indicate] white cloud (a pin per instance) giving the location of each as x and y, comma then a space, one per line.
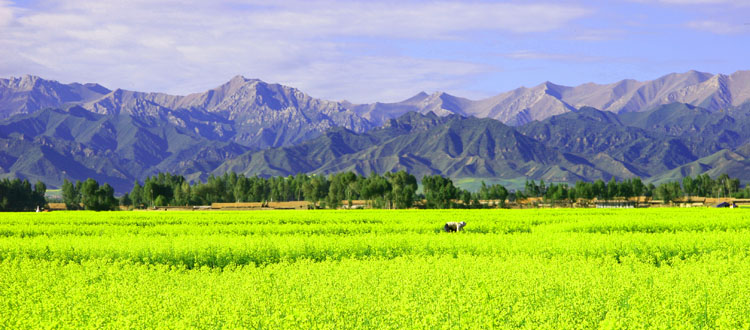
186, 46
533, 55
596, 34
6, 13
719, 27
417, 19
404, 74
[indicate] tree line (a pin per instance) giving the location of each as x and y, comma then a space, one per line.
700, 186
89, 195
396, 190
18, 195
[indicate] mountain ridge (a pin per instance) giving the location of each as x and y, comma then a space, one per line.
253, 127
585, 144
241, 95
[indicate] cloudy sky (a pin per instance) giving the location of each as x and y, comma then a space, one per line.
366, 51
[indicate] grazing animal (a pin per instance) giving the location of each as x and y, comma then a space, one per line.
454, 226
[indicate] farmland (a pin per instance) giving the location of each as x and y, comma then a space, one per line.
541, 268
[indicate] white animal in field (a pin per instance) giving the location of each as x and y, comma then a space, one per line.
454, 226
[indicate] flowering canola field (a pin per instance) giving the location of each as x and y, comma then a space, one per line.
379, 269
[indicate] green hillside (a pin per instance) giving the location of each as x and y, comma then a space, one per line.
665, 143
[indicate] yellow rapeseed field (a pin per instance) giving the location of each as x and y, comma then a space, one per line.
377, 269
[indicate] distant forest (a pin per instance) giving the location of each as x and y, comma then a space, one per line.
396, 190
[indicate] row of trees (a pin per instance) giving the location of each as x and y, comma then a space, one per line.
395, 190
399, 190
700, 186
587, 190
17, 195
703, 186
392, 190
89, 195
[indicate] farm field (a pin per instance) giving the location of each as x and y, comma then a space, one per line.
665, 268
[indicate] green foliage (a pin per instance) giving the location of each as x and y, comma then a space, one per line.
439, 192
160, 201
136, 195
342, 186
398, 190
668, 191
493, 192
98, 198
377, 189
71, 195
393, 190
18, 195
589, 190
315, 189
125, 200
403, 189
702, 185
90, 195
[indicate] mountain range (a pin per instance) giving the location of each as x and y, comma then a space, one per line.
584, 144
679, 124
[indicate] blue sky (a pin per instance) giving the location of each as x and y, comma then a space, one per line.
366, 51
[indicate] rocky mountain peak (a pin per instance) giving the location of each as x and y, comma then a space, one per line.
241, 96
25, 82
29, 93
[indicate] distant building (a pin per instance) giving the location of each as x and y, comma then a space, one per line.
726, 204
615, 204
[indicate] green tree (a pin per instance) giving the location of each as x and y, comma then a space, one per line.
125, 200
439, 191
89, 196
106, 198
637, 187
668, 191
71, 195
376, 189
136, 196
38, 198
493, 192
17, 195
315, 189
612, 189
98, 198
160, 201
403, 189
599, 189
584, 190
